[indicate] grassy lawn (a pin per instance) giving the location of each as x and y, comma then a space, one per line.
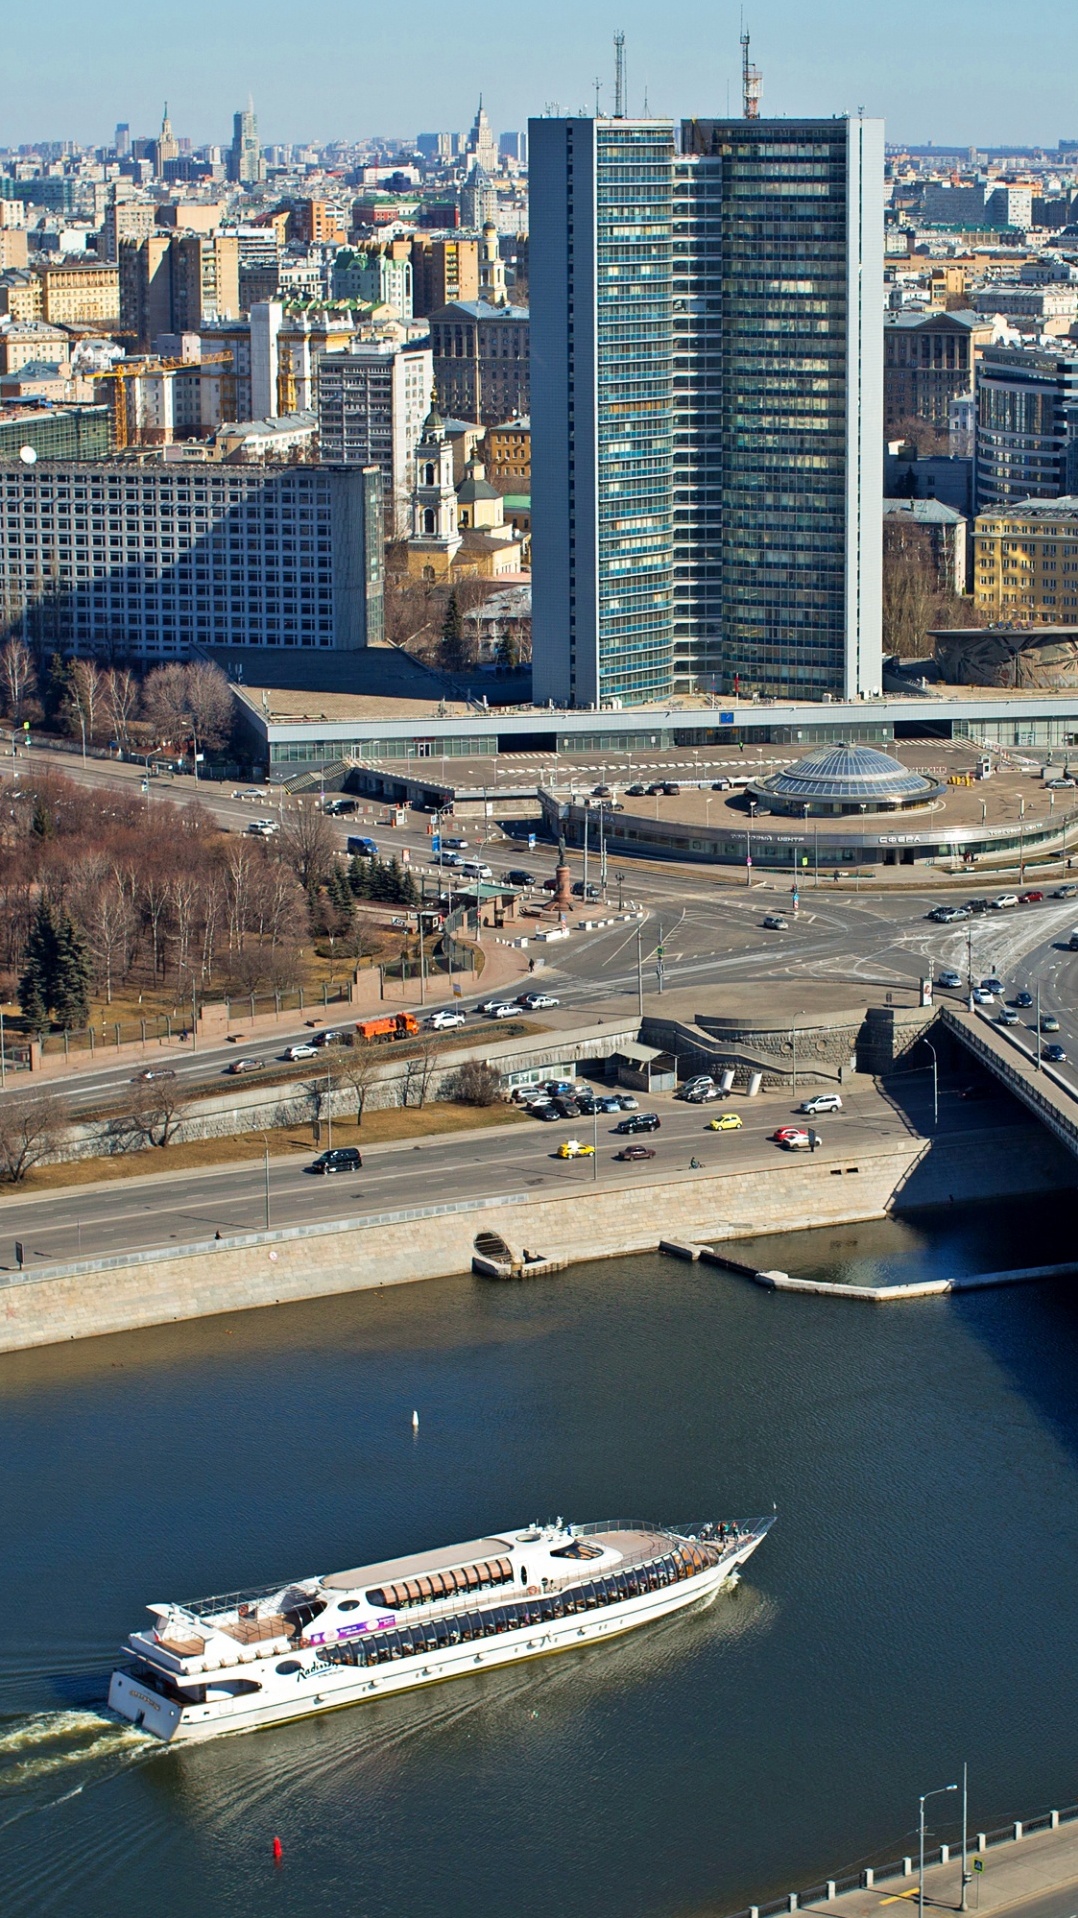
285, 1141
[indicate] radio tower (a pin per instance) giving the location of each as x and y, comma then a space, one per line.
750, 81
619, 76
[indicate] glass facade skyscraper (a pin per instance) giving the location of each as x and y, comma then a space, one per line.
707, 407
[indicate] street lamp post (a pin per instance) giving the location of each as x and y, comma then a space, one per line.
939, 1790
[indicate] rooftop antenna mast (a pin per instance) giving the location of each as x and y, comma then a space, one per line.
751, 78
619, 76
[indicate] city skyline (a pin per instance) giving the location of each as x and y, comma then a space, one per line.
946, 87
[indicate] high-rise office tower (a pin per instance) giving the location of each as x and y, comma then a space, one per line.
245, 154
707, 423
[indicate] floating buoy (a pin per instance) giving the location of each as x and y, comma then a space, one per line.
415, 1421
278, 1851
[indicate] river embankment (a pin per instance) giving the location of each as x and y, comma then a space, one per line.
847, 1180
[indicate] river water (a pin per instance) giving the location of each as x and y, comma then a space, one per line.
916, 1603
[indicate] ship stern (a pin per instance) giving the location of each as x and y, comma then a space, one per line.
144, 1708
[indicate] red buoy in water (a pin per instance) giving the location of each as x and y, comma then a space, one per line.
278, 1851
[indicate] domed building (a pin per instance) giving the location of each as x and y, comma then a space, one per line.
840, 779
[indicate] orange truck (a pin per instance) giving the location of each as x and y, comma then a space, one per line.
395, 1025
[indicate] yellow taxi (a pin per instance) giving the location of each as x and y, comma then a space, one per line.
572, 1149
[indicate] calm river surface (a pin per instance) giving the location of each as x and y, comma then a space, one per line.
916, 1603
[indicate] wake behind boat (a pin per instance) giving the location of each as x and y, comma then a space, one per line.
249, 1659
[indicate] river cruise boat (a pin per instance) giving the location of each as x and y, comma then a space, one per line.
249, 1659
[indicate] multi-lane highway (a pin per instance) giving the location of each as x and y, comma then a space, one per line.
185, 1207
710, 926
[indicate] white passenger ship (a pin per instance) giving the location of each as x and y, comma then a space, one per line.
235, 1663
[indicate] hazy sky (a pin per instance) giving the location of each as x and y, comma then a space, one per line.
972, 73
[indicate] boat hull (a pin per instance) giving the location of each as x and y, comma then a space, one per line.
328, 1687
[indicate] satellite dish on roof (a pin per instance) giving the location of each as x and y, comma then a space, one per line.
28, 455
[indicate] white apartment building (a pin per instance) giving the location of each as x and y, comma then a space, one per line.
150, 560
372, 402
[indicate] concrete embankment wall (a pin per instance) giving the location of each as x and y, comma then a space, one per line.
789, 1193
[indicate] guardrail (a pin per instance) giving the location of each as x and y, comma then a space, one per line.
1058, 1121
867, 1876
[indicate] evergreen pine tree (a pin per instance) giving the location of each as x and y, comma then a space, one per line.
454, 657
37, 981
42, 823
71, 982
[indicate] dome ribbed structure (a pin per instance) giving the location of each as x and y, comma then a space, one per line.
845, 778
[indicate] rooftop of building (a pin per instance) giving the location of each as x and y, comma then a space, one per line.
910, 320
379, 682
281, 426
31, 330
926, 512
482, 310
1066, 505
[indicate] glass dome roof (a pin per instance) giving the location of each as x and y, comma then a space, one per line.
852, 775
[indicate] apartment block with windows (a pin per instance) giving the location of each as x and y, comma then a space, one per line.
372, 402
151, 560
1026, 562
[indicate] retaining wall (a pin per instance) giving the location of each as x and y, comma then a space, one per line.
591, 1221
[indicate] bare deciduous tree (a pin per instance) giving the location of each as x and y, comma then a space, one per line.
308, 843
121, 701
155, 1109
85, 697
420, 1069
30, 1130
165, 698
208, 702
360, 1068
18, 680
476, 1084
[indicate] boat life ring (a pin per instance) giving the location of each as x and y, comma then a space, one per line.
533, 1591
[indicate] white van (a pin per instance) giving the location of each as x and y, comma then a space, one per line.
474, 869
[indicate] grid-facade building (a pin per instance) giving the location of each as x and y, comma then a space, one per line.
148, 561
372, 402
708, 413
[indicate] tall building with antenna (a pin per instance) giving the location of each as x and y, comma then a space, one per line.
707, 407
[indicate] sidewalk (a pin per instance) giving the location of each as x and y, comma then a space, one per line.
504, 967
1012, 1871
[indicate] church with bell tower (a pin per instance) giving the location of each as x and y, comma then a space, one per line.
435, 540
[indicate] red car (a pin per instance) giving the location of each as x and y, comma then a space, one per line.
635, 1152
784, 1132
1030, 898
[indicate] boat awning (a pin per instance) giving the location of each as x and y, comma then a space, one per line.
416, 1565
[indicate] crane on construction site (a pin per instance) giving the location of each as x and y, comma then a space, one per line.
125, 370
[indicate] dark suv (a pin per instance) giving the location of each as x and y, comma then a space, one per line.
639, 1122
340, 1158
